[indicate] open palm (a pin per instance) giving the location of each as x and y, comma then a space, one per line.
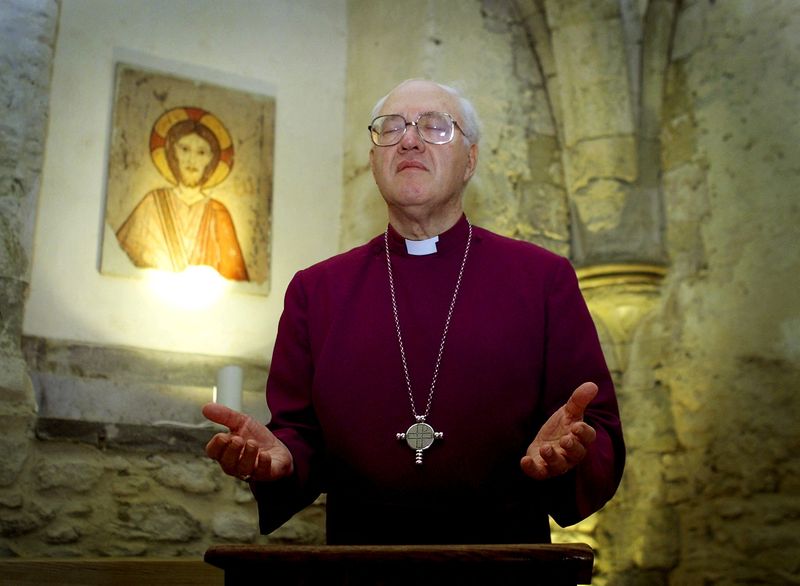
562, 441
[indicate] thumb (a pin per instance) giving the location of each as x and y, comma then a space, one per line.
224, 415
580, 399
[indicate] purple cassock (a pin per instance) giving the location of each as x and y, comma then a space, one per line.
520, 340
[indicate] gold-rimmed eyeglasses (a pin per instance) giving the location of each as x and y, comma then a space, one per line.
432, 127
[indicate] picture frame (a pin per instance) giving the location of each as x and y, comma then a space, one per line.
189, 178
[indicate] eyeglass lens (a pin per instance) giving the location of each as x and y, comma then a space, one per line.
433, 127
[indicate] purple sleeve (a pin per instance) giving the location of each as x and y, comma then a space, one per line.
293, 419
574, 356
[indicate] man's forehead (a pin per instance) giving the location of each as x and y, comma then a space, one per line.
416, 97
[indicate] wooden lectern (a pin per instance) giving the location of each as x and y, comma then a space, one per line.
390, 565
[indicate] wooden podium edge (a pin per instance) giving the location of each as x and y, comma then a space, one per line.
575, 559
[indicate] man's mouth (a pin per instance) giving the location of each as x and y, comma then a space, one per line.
403, 165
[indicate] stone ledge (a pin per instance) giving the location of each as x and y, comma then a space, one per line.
125, 436
122, 388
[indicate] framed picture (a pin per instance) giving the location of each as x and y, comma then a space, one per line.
189, 180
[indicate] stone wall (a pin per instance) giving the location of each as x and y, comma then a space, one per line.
729, 320
653, 142
707, 360
27, 32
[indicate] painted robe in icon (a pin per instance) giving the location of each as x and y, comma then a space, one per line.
165, 233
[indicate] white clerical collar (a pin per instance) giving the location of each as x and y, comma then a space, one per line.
422, 247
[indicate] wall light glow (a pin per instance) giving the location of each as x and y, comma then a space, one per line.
197, 287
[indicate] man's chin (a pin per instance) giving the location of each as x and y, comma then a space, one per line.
412, 199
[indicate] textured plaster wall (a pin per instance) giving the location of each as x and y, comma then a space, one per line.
730, 320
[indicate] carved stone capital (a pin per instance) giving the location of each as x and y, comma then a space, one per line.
619, 296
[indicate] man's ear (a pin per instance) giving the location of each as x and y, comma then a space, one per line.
472, 162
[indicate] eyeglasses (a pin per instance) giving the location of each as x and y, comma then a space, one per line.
432, 127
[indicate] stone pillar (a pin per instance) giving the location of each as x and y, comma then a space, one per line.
27, 38
607, 88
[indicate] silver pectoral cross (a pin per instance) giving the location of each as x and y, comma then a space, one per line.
420, 436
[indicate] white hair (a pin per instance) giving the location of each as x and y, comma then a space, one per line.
470, 123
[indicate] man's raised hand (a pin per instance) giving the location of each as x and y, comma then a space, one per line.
249, 451
564, 438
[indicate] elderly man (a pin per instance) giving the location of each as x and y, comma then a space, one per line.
441, 383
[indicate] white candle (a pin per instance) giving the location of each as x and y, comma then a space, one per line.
228, 391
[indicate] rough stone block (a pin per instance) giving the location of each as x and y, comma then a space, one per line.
156, 522
15, 446
236, 526
130, 486
13, 259
16, 388
12, 304
198, 477
22, 521
661, 554
61, 533
561, 13
600, 204
78, 474
678, 140
593, 81
602, 158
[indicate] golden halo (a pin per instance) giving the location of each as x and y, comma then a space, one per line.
158, 138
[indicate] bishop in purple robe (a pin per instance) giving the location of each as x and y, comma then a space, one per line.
440, 383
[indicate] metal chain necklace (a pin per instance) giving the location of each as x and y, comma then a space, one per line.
420, 436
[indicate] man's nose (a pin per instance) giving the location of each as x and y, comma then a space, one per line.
411, 139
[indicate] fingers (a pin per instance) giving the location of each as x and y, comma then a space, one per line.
247, 460
573, 447
564, 439
235, 456
217, 445
263, 466
559, 461
571, 453
551, 459
584, 433
546, 463
534, 467
229, 459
